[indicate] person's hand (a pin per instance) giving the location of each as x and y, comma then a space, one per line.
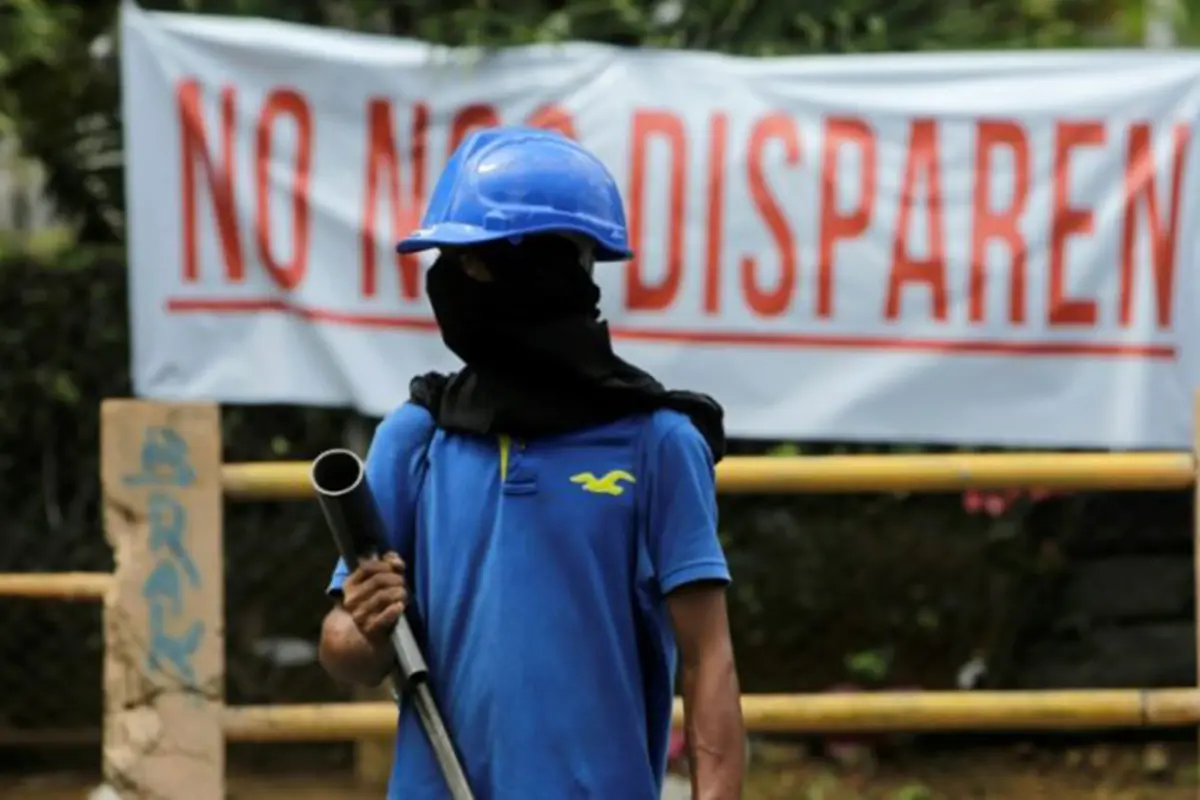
375, 595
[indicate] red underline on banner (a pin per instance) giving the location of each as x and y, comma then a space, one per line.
808, 341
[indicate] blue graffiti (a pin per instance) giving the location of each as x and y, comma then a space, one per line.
168, 525
165, 460
164, 591
166, 463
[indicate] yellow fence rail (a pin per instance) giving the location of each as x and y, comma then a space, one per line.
164, 485
906, 712
841, 474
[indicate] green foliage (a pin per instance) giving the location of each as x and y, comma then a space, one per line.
58, 94
1182, 17
870, 666
65, 338
913, 791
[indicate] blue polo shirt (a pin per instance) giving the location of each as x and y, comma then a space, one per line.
540, 570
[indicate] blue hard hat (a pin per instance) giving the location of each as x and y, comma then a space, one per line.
504, 183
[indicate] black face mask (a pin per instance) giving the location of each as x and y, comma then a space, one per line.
464, 309
539, 360
519, 322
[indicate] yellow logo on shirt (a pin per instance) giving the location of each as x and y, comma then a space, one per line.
609, 484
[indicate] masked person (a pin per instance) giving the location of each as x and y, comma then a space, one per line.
554, 504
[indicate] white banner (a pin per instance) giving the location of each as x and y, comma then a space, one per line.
968, 248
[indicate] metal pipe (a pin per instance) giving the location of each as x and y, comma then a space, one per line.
288, 480
880, 712
70, 586
340, 481
898, 712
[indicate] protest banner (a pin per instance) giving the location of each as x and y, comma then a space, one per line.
986, 248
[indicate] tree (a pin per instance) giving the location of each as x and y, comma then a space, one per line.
59, 87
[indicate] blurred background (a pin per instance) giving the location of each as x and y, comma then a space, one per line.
847, 593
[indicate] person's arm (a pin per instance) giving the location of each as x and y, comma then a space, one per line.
393, 472
693, 575
349, 656
711, 699
355, 645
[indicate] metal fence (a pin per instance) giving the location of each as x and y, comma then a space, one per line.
834, 591
908, 599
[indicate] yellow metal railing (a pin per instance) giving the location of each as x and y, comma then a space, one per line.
911, 711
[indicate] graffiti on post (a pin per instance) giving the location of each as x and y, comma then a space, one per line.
164, 461
174, 634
